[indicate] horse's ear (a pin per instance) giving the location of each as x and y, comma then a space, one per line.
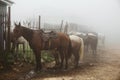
15, 24
19, 24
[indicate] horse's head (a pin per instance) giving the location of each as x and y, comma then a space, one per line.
17, 32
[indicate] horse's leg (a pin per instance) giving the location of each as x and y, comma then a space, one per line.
23, 48
96, 48
38, 59
23, 51
66, 59
93, 49
76, 56
13, 47
56, 56
57, 59
13, 51
17, 46
62, 58
87, 46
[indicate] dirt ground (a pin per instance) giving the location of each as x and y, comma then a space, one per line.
105, 65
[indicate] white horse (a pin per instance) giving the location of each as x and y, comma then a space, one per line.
77, 48
80, 34
21, 41
101, 41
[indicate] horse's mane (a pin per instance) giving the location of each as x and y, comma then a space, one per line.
27, 32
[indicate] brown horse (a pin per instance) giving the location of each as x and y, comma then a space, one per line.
77, 50
37, 42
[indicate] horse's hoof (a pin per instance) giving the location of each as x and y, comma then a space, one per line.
60, 67
76, 67
66, 67
56, 67
37, 70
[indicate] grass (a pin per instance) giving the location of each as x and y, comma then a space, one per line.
29, 56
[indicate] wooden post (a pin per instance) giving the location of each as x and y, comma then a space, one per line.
9, 23
39, 22
66, 28
5, 31
61, 26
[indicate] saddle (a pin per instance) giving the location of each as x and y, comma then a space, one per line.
46, 36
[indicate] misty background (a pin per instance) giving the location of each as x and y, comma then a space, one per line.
102, 16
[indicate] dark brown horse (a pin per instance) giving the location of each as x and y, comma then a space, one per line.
91, 41
38, 41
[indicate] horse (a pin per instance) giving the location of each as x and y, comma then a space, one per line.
39, 40
91, 41
77, 48
22, 41
79, 34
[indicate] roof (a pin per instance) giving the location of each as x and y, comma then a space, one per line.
7, 2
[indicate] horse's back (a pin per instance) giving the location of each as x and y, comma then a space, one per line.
63, 35
76, 42
75, 38
64, 38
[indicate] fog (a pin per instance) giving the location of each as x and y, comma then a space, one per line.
102, 16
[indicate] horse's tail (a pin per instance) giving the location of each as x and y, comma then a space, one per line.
81, 50
70, 49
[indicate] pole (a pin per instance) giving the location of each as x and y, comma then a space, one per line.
66, 28
61, 26
9, 23
39, 22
